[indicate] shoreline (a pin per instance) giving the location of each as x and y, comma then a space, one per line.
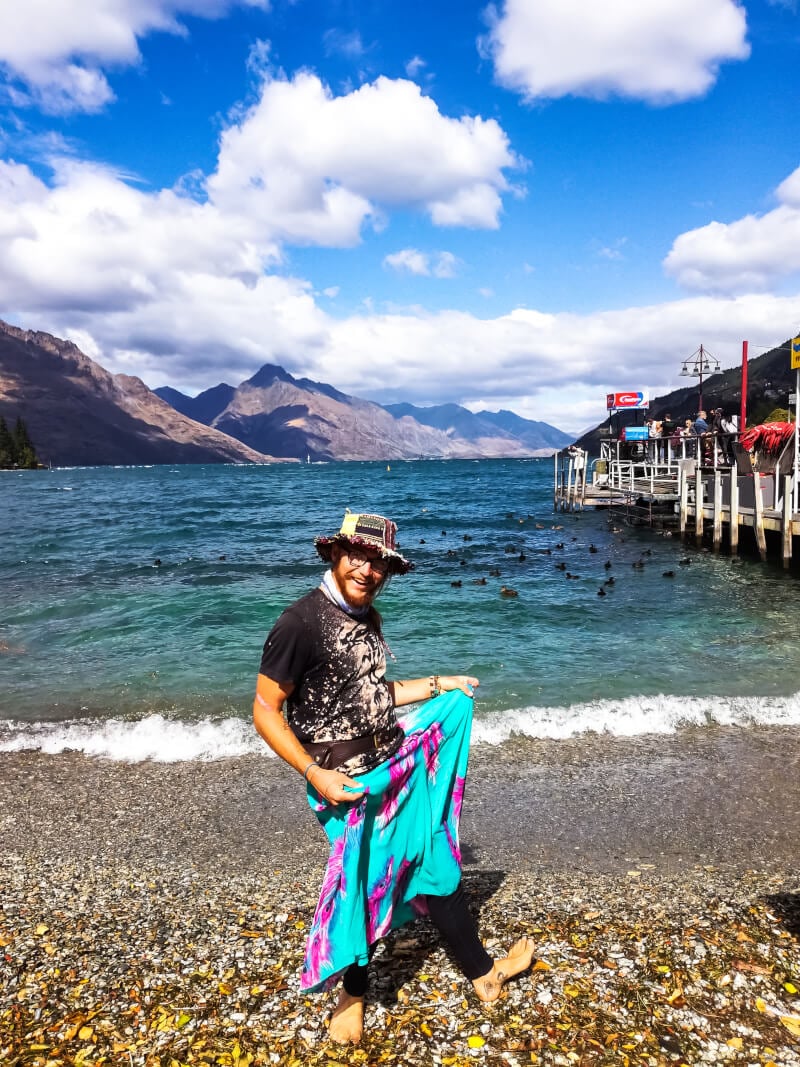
153, 912
722, 796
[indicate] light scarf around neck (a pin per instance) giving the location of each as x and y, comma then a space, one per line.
333, 593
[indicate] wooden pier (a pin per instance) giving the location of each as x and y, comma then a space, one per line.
680, 492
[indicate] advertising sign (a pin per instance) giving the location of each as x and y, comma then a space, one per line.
636, 433
795, 353
627, 400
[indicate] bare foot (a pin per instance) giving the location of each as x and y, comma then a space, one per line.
518, 960
347, 1022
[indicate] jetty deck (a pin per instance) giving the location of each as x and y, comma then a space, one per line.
700, 497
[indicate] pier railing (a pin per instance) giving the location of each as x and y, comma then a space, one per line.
704, 485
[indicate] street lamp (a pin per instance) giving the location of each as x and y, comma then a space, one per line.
700, 363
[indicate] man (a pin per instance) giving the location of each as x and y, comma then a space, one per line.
668, 427
393, 829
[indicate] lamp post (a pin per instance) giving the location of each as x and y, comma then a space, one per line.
700, 363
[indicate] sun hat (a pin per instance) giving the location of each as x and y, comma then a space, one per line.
367, 531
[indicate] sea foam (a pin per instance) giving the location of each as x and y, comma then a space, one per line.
166, 740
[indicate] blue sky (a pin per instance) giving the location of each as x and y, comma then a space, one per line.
525, 205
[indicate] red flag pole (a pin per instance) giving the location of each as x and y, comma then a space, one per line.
743, 409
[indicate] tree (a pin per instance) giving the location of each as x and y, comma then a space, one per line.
16, 448
26, 453
8, 450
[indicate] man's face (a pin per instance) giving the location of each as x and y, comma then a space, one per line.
359, 573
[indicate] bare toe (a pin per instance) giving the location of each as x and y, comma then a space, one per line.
518, 960
347, 1022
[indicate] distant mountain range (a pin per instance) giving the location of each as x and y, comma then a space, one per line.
77, 413
299, 418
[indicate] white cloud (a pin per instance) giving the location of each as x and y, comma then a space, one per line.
339, 42
408, 259
613, 251
557, 367
446, 265
414, 66
314, 167
60, 51
658, 50
750, 254
438, 264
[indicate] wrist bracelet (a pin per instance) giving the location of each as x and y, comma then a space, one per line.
313, 763
433, 682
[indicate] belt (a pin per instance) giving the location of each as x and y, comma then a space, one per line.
332, 754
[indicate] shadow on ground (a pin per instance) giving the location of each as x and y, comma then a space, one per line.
786, 907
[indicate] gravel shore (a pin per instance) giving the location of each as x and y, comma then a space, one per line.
156, 913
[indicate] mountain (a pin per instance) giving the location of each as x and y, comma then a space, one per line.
300, 418
202, 408
770, 380
488, 425
78, 414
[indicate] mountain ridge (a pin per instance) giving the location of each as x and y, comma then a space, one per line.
78, 414
302, 418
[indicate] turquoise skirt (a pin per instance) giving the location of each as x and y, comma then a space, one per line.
395, 844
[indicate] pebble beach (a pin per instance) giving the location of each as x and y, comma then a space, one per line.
156, 913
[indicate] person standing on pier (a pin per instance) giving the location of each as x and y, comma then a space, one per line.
387, 789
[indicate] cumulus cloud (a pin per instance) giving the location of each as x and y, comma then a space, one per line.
558, 367
411, 260
750, 254
660, 51
59, 51
184, 292
314, 167
184, 279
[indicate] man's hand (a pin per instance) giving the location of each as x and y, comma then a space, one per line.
331, 785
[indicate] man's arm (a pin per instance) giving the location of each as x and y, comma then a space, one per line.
414, 690
270, 723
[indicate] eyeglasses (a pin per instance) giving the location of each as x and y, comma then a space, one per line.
358, 557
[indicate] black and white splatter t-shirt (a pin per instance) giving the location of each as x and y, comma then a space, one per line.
337, 665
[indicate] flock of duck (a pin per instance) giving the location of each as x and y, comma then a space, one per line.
519, 555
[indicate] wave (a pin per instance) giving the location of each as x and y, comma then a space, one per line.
172, 740
154, 737
636, 716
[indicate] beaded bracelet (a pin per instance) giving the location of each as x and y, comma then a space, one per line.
313, 763
433, 682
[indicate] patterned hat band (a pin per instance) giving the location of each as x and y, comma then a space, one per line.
367, 531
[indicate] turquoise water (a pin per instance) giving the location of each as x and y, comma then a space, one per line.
94, 632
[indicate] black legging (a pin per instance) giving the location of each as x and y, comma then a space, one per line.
453, 919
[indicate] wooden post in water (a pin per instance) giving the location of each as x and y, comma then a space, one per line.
698, 504
734, 511
786, 521
555, 481
717, 510
758, 517
684, 504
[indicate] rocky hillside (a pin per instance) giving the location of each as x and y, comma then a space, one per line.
78, 414
300, 418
